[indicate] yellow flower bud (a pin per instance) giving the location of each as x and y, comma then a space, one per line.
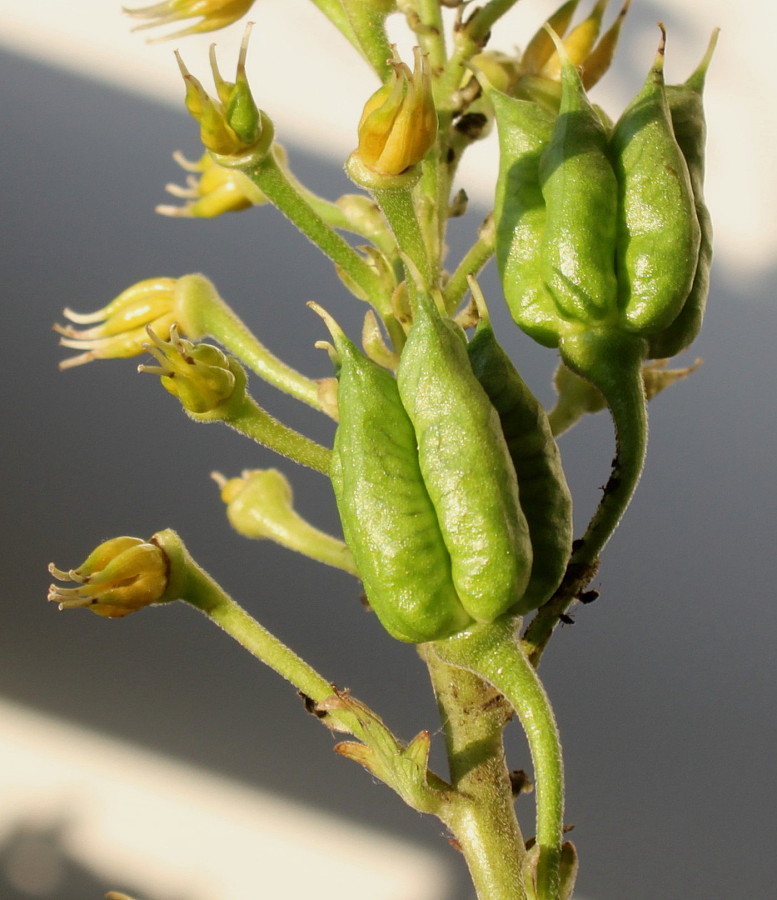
260, 504
120, 576
399, 123
218, 190
230, 124
118, 330
540, 65
199, 375
214, 14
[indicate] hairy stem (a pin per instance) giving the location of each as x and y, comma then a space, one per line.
494, 654
471, 264
281, 191
613, 363
399, 209
483, 821
251, 420
219, 320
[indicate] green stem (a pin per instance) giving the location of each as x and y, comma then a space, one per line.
247, 417
356, 213
612, 362
368, 25
483, 818
296, 534
399, 209
469, 40
483, 20
281, 191
217, 319
493, 652
563, 416
196, 587
430, 32
471, 263
432, 204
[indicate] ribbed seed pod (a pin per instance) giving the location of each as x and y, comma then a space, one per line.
686, 106
387, 516
525, 130
466, 467
542, 487
658, 231
581, 197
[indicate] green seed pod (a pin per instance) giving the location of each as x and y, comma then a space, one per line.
686, 106
658, 231
525, 130
466, 467
388, 519
581, 197
542, 488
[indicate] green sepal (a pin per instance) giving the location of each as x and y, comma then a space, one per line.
402, 767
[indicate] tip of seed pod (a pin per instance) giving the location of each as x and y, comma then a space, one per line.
696, 80
570, 77
658, 63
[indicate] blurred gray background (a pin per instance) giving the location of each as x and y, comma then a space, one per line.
664, 688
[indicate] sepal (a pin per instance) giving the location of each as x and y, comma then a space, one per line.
404, 768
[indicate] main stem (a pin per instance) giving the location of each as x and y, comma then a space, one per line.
484, 824
492, 652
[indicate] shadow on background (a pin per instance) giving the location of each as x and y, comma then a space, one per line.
664, 688
36, 864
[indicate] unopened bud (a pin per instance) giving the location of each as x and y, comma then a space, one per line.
399, 122
118, 330
230, 124
260, 504
217, 190
120, 576
541, 63
201, 376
